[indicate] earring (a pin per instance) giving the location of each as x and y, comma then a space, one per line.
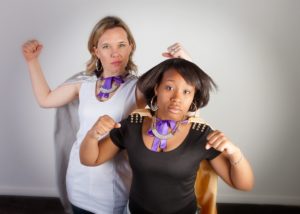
98, 65
153, 106
193, 107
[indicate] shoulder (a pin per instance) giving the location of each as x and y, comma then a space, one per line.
138, 115
143, 112
128, 87
200, 126
80, 78
130, 78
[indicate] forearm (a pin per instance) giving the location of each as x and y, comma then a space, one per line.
89, 149
241, 174
39, 84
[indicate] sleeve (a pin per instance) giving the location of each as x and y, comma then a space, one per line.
212, 152
118, 135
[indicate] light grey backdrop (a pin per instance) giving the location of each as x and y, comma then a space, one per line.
250, 48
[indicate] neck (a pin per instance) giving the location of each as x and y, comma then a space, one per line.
165, 117
112, 74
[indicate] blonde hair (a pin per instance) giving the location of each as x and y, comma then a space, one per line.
104, 24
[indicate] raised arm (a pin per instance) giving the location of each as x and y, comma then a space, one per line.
93, 151
231, 165
46, 97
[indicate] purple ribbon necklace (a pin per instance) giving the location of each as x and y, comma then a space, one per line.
160, 131
110, 85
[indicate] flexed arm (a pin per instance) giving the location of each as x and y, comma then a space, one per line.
231, 165
45, 97
93, 151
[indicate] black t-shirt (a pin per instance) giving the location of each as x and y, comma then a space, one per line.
163, 182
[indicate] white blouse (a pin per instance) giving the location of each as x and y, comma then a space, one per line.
104, 188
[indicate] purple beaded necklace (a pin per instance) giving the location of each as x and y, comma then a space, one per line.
108, 86
160, 131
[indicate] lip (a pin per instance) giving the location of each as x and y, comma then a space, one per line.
174, 109
116, 63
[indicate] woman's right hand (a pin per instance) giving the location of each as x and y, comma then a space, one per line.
31, 50
102, 126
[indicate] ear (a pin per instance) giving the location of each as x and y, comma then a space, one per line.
155, 90
131, 48
95, 51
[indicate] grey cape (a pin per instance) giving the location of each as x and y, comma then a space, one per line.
66, 127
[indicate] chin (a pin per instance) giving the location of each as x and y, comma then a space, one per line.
175, 116
117, 72
171, 115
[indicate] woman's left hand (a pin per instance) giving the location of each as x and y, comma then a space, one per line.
220, 142
177, 51
230, 165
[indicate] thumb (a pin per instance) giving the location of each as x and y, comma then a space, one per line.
207, 146
39, 47
167, 55
117, 125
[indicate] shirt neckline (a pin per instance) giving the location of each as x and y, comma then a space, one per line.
178, 148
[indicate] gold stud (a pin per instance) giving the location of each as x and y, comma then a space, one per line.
194, 125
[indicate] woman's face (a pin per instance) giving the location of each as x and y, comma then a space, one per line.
113, 50
174, 96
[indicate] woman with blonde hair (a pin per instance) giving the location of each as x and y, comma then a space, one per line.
107, 87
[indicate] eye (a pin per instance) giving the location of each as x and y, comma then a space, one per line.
168, 88
187, 92
105, 46
122, 45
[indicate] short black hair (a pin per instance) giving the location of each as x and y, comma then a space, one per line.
190, 72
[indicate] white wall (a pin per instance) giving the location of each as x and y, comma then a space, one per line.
251, 49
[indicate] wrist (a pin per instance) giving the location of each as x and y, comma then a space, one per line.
32, 61
93, 135
236, 157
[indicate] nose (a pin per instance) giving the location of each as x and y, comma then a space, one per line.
176, 97
115, 52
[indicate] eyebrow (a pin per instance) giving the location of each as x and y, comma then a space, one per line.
107, 42
171, 80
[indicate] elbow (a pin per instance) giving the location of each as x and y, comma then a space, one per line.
250, 186
44, 104
86, 162
48, 102
83, 160
246, 186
